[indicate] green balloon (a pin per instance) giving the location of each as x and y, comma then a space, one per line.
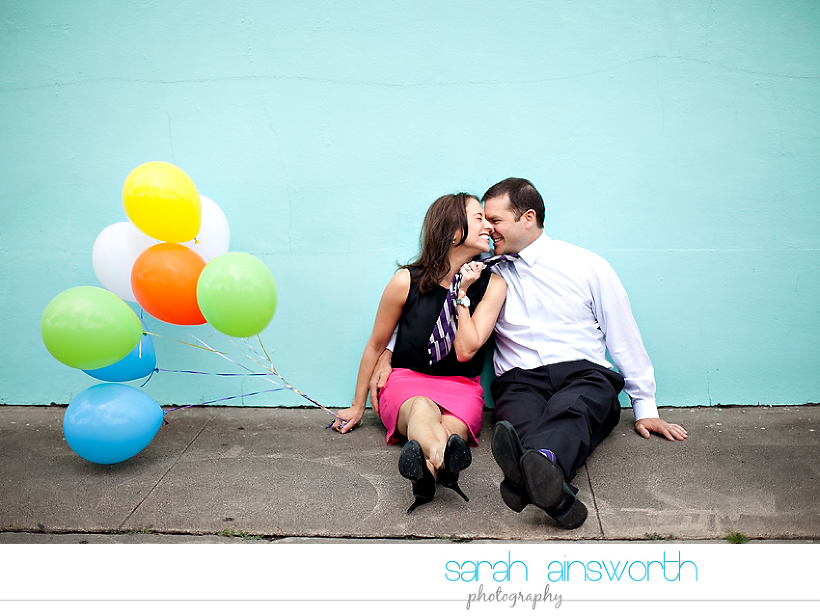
237, 294
89, 328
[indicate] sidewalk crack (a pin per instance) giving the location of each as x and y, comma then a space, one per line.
595, 503
168, 470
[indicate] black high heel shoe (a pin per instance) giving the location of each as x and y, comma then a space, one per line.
412, 466
457, 457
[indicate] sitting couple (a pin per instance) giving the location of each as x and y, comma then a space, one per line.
556, 310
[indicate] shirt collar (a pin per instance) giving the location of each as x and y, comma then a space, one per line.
530, 253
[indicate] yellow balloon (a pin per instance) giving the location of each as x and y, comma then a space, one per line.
162, 202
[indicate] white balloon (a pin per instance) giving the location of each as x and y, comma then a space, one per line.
113, 256
214, 235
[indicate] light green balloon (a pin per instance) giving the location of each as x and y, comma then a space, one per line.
237, 294
89, 328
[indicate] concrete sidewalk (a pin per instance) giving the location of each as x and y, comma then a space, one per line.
218, 474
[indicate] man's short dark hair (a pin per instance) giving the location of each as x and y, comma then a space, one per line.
523, 197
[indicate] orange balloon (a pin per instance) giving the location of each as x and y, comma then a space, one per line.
164, 281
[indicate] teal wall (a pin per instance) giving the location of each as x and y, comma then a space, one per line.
678, 139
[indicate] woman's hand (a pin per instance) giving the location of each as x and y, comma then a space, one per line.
379, 378
347, 419
473, 331
470, 272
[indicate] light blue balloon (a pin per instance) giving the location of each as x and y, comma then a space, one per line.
110, 422
139, 363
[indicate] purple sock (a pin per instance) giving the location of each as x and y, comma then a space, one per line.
549, 455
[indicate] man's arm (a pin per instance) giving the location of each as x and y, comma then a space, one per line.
623, 340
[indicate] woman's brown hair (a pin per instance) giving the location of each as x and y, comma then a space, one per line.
444, 218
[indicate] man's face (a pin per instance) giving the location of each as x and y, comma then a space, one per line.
508, 234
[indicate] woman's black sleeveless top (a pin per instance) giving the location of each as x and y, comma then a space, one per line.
418, 318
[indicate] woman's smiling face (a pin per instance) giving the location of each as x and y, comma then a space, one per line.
478, 229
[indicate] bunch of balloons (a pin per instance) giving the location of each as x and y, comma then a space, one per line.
172, 259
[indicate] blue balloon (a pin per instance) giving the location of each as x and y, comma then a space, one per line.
139, 363
109, 422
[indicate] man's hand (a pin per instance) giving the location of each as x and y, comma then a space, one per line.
672, 432
379, 378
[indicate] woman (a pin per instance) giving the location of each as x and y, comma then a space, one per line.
436, 402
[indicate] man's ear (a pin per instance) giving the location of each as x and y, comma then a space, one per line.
530, 219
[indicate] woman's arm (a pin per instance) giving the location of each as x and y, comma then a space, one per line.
390, 307
384, 366
473, 331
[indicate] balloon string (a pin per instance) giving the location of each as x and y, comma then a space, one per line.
288, 385
205, 348
249, 372
165, 421
155, 370
212, 373
271, 368
220, 353
188, 406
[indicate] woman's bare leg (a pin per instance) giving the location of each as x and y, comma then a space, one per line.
420, 420
453, 425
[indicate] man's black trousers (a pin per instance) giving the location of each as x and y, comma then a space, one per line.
568, 408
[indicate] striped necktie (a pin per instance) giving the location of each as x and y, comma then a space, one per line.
444, 332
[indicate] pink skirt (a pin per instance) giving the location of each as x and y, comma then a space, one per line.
459, 396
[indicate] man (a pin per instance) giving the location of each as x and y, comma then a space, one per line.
556, 396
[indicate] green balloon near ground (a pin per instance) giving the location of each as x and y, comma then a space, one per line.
237, 294
89, 328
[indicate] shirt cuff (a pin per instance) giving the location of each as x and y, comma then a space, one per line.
644, 409
392, 344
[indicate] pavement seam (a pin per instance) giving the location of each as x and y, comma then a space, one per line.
595, 503
168, 470
154, 537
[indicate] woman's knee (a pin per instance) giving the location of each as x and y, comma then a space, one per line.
420, 407
425, 406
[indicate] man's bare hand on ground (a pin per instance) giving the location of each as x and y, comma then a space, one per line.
672, 432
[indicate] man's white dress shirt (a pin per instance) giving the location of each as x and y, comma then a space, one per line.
565, 303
